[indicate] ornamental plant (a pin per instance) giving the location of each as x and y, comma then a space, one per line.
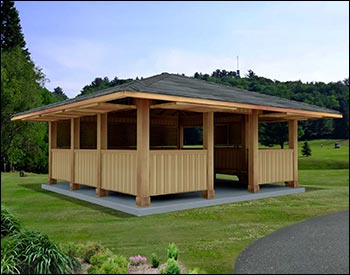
172, 267
172, 251
137, 260
155, 260
9, 223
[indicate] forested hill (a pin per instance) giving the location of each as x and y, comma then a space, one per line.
333, 95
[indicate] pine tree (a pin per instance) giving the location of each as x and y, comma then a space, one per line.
306, 150
11, 30
59, 94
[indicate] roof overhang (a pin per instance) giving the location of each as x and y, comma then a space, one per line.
96, 105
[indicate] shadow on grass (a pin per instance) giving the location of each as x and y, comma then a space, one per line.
311, 188
37, 188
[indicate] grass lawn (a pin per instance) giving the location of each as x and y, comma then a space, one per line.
210, 238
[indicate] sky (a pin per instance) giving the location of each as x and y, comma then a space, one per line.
75, 42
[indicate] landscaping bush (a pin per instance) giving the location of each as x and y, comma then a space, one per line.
98, 259
172, 267
112, 265
9, 223
172, 251
155, 260
34, 253
71, 249
87, 250
8, 264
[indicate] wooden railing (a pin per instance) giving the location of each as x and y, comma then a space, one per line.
85, 167
171, 171
61, 164
176, 171
275, 165
119, 171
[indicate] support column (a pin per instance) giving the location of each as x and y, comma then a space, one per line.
253, 144
52, 145
102, 125
293, 144
143, 132
180, 139
208, 144
74, 144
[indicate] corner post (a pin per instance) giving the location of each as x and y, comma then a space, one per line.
102, 124
253, 150
208, 144
143, 140
293, 144
52, 145
74, 144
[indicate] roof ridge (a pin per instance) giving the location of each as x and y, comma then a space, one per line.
152, 79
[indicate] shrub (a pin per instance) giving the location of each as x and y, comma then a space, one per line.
8, 264
137, 260
34, 253
155, 260
71, 249
9, 223
111, 265
172, 267
87, 250
99, 258
172, 251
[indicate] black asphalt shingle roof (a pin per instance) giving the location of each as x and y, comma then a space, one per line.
183, 86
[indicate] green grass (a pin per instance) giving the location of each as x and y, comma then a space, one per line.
210, 238
326, 157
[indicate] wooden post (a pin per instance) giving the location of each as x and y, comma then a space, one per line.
180, 139
52, 145
253, 151
74, 136
143, 132
101, 144
293, 144
208, 144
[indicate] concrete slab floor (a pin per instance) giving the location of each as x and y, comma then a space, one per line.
225, 192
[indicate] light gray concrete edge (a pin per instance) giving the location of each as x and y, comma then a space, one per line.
129, 206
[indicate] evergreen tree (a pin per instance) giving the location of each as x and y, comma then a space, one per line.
11, 30
306, 150
59, 94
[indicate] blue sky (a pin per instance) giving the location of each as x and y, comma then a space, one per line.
75, 42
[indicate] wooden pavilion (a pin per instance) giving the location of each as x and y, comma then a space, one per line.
130, 138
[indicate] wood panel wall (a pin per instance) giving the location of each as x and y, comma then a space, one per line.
119, 171
275, 165
61, 164
230, 159
85, 167
176, 171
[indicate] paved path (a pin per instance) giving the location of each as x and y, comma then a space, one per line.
316, 246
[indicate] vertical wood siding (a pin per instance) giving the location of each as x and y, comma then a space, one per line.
61, 164
85, 167
230, 159
176, 171
119, 171
275, 165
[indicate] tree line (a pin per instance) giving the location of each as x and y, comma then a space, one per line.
333, 95
24, 145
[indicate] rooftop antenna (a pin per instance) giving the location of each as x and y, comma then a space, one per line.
238, 67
